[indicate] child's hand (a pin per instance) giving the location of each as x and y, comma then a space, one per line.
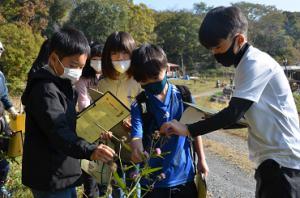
202, 167
106, 136
136, 155
103, 153
174, 128
13, 112
127, 123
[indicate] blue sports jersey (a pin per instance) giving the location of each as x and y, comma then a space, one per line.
178, 164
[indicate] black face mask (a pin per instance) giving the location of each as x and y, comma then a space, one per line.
227, 58
156, 87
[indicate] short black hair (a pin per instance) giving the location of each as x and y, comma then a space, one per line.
96, 49
116, 42
147, 61
222, 23
69, 41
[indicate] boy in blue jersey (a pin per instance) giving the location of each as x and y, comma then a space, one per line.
163, 103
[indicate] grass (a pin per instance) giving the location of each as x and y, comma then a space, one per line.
14, 183
241, 133
195, 86
200, 85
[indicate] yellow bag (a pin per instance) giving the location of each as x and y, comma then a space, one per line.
15, 147
18, 124
201, 186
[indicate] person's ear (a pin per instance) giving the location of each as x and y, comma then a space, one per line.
52, 59
241, 40
53, 62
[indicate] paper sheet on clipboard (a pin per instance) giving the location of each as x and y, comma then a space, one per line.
107, 112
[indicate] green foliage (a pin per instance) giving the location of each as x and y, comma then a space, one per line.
21, 48
14, 182
145, 171
201, 8
58, 11
98, 19
255, 11
141, 23
178, 35
273, 31
33, 13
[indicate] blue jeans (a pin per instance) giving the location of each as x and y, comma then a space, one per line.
66, 193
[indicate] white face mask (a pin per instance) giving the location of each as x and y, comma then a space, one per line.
121, 66
96, 65
72, 74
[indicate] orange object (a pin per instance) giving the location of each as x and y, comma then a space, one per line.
17, 125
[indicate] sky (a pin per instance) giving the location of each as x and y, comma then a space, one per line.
287, 5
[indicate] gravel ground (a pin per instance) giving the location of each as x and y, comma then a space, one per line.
225, 179
234, 142
228, 181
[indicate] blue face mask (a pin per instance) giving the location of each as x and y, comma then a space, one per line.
156, 87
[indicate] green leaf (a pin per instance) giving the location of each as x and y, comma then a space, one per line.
119, 181
128, 167
148, 171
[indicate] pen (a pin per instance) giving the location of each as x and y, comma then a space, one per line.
113, 136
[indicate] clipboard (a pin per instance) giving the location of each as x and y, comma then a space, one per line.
194, 113
107, 111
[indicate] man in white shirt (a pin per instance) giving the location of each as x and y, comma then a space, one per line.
262, 95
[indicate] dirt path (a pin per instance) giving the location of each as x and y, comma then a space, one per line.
228, 178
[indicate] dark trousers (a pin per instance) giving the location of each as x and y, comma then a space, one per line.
275, 181
90, 186
4, 168
187, 190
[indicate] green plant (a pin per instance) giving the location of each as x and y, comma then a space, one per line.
143, 172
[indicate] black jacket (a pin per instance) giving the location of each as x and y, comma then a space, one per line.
51, 148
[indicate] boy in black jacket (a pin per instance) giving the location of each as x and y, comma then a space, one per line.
52, 150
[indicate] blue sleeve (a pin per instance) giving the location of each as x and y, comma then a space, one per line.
4, 93
136, 121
